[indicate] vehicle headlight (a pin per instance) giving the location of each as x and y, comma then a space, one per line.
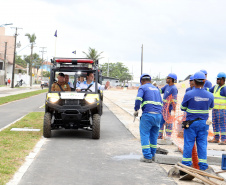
91, 100
53, 100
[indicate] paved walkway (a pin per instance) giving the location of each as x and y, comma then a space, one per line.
121, 103
7, 91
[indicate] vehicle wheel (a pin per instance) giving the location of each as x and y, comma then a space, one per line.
96, 126
47, 125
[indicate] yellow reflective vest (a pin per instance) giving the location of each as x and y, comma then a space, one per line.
219, 101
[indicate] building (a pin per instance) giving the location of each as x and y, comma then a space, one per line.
113, 81
6, 55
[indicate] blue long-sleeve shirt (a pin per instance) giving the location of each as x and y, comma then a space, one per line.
149, 98
169, 90
197, 104
189, 88
207, 84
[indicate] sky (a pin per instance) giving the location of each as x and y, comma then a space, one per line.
179, 36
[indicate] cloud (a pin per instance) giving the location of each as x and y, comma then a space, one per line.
184, 34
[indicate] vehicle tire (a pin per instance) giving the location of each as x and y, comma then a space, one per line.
47, 125
96, 126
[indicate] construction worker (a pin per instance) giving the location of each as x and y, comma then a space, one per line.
60, 85
219, 110
207, 84
150, 100
197, 103
191, 82
169, 90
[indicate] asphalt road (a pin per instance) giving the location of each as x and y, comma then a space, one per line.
12, 111
72, 157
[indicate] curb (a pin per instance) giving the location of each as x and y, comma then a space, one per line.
28, 161
171, 160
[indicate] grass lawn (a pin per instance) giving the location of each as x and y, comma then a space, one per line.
15, 146
10, 98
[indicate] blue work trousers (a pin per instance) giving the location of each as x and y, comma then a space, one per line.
219, 123
198, 131
149, 129
169, 128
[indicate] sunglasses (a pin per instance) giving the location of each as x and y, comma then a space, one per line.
219, 78
169, 78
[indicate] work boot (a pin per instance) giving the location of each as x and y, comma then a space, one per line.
214, 140
222, 143
209, 170
153, 158
142, 159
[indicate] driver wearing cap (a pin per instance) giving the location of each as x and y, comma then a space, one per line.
60, 85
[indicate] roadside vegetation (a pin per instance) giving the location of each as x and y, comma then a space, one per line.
15, 146
11, 98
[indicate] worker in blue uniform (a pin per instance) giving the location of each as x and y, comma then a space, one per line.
169, 90
191, 82
207, 84
219, 110
149, 98
197, 104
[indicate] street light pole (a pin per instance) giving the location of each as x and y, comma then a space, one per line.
42, 60
14, 58
5, 60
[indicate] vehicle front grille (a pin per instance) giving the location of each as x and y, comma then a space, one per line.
73, 102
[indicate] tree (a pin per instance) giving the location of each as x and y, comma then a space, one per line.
32, 39
93, 54
46, 74
36, 61
20, 61
116, 70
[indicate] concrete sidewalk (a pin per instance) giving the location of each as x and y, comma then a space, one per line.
121, 103
7, 91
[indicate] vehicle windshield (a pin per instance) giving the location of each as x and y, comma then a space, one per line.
73, 79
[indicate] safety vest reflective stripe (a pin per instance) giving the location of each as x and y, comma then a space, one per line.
153, 146
202, 160
145, 146
184, 108
223, 133
151, 102
216, 133
168, 130
164, 100
208, 89
160, 91
160, 130
186, 159
197, 111
139, 98
219, 101
220, 98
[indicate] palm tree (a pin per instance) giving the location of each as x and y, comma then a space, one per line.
93, 54
32, 39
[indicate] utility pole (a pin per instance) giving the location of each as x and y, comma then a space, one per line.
108, 69
14, 58
43, 48
5, 60
142, 59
